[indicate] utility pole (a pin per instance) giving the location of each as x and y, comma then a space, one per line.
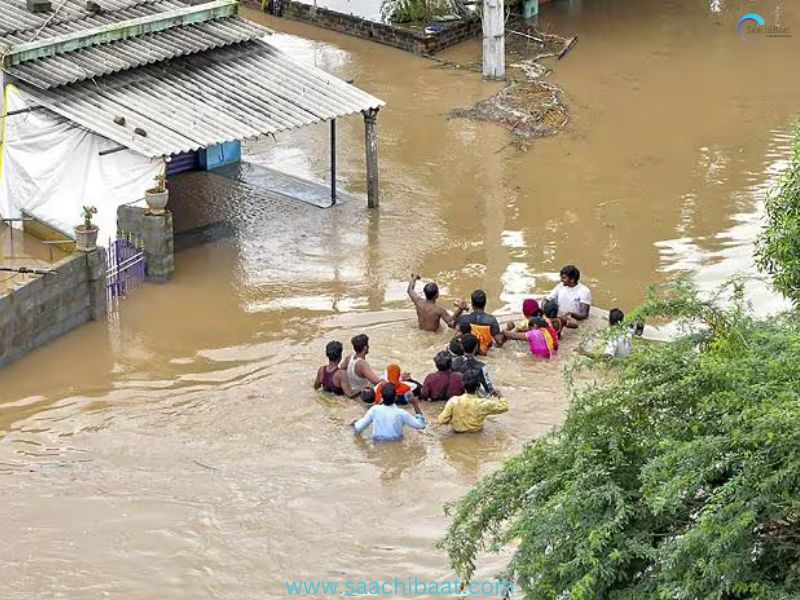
494, 41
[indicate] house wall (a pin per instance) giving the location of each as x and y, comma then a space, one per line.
408, 39
51, 305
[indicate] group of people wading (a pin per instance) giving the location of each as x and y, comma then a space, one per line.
461, 379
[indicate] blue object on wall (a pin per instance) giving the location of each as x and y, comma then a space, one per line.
220, 155
530, 8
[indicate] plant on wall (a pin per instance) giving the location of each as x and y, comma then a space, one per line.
161, 184
86, 232
88, 212
409, 11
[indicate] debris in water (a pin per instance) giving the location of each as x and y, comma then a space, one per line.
531, 69
205, 466
529, 109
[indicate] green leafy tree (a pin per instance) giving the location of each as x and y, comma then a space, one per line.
778, 249
677, 476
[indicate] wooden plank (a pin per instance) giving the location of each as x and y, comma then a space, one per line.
120, 31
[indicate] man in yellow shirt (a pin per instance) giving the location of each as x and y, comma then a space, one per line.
467, 413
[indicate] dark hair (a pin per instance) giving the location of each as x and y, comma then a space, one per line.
368, 395
615, 316
469, 343
638, 328
550, 309
431, 290
464, 326
388, 394
572, 272
360, 342
333, 350
478, 299
472, 379
537, 322
443, 361
456, 347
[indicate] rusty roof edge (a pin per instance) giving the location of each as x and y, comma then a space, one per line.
118, 31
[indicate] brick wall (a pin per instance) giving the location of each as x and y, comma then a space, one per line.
412, 40
51, 305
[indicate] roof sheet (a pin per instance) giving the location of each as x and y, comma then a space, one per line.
233, 93
105, 59
15, 18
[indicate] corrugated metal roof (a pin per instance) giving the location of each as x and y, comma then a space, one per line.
15, 17
232, 93
134, 52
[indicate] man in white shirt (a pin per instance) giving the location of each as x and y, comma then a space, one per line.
619, 345
574, 299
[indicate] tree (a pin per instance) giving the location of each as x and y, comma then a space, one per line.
675, 477
778, 249
407, 11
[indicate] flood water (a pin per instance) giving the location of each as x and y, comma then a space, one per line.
178, 450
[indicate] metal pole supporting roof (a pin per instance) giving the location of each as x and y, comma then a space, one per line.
333, 162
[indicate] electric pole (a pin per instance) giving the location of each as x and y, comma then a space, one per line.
494, 42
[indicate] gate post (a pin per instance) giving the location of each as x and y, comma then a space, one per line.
156, 234
96, 266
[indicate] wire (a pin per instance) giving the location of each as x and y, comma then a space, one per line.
47, 21
37, 32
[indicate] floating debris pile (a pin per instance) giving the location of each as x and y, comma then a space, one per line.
528, 107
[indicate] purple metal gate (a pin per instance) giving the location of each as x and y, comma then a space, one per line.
125, 266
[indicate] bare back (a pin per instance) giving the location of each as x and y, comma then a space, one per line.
429, 314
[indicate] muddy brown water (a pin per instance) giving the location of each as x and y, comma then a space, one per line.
178, 450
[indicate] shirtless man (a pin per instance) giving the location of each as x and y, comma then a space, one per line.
428, 312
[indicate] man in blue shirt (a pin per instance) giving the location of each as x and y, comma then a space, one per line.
387, 419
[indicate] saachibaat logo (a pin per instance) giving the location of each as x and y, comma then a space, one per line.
754, 23
755, 18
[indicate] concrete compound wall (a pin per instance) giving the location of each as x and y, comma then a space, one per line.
51, 305
408, 39
158, 241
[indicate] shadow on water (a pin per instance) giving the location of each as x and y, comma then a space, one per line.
208, 207
203, 234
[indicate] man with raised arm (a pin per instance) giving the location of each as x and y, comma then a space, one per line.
429, 314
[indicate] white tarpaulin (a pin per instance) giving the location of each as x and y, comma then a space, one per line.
50, 168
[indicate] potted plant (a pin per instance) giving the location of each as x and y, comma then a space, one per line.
86, 233
157, 196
